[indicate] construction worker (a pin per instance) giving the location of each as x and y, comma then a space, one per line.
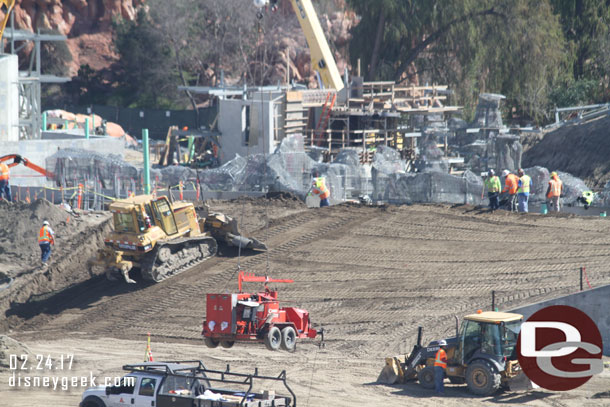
511, 184
46, 238
523, 192
554, 191
5, 188
493, 190
586, 198
440, 364
320, 189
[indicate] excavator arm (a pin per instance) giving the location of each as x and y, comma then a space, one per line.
17, 159
322, 59
6, 6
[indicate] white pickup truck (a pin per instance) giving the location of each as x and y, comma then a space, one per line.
186, 384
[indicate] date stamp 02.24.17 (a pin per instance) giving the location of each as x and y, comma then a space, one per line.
51, 372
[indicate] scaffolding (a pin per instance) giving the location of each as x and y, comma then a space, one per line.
30, 80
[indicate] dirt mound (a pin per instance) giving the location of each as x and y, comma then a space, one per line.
8, 347
78, 238
580, 149
20, 225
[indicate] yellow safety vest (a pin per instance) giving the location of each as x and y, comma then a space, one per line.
493, 184
525, 184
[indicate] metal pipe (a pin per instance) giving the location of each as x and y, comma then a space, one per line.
581, 269
146, 161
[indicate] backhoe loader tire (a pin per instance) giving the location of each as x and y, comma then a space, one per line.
289, 338
227, 344
426, 377
273, 339
482, 378
210, 343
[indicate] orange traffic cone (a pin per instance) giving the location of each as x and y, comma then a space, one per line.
148, 356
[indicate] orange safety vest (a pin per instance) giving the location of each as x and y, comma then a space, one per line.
511, 183
319, 188
555, 189
44, 236
441, 359
3, 172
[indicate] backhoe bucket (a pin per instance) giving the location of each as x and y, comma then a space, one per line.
392, 372
521, 383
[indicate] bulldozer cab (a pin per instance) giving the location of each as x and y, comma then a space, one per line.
138, 214
488, 334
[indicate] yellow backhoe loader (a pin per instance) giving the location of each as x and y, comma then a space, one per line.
482, 354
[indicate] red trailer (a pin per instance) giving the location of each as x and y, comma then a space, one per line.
244, 317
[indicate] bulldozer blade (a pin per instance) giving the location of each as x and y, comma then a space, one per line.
392, 372
247, 243
521, 383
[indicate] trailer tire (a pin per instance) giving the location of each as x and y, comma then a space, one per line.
210, 343
93, 401
227, 344
426, 377
273, 339
289, 339
482, 378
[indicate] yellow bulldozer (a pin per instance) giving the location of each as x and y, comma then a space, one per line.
161, 239
482, 354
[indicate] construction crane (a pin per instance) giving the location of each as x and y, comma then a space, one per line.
322, 59
6, 6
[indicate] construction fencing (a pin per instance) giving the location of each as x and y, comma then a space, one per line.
90, 180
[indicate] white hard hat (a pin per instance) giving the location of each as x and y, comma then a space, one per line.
492, 173
442, 342
505, 173
46, 222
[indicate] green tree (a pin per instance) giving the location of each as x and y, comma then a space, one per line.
146, 77
585, 24
510, 47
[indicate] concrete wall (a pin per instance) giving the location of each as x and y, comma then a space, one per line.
232, 123
595, 303
9, 98
38, 150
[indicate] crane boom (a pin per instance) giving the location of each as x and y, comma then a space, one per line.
322, 59
6, 6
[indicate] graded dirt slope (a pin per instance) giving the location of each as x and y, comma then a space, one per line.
369, 275
581, 149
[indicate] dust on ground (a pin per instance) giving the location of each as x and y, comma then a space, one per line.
369, 275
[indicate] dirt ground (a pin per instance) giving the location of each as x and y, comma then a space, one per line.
369, 275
